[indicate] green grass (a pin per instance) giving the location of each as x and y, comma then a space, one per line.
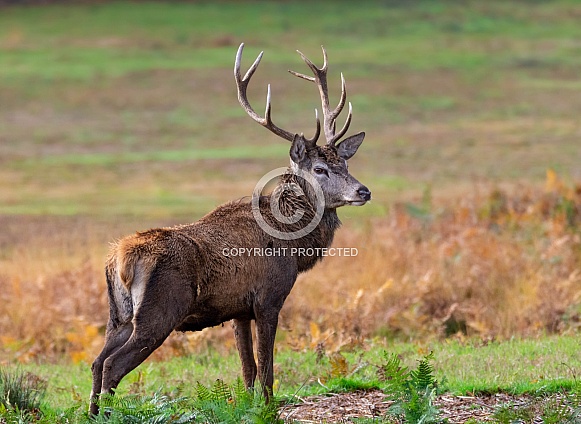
442, 90
107, 159
515, 366
156, 35
544, 365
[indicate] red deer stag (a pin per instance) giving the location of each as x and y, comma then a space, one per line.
183, 278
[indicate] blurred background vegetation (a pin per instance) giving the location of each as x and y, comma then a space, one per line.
120, 116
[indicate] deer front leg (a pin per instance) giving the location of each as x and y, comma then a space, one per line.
243, 336
265, 333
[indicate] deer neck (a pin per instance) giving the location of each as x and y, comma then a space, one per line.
297, 194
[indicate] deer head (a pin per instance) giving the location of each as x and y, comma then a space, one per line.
326, 164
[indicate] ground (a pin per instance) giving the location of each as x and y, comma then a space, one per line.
344, 407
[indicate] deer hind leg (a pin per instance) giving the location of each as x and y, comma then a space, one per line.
129, 356
114, 339
160, 303
243, 336
150, 329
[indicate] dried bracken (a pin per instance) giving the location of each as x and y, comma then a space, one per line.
491, 265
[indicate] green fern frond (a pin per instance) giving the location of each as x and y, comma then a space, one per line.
412, 391
423, 378
393, 373
239, 390
202, 392
234, 404
156, 409
221, 391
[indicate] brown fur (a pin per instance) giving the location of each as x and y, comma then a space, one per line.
184, 278
126, 252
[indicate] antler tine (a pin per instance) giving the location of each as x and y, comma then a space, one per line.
329, 116
242, 85
341, 133
311, 65
343, 98
303, 76
324, 68
250, 71
313, 141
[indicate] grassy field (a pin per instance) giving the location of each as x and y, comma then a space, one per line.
120, 116
539, 366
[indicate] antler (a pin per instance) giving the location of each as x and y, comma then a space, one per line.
329, 116
242, 85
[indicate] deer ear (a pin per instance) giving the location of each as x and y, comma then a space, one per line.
348, 147
298, 149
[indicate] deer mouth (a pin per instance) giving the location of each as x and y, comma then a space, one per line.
356, 202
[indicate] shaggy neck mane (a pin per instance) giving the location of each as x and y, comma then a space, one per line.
295, 195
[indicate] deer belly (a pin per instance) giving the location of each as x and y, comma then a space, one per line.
196, 323
210, 316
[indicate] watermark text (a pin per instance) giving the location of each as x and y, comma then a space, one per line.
290, 251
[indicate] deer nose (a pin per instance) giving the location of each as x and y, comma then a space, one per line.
364, 193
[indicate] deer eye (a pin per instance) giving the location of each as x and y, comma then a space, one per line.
320, 171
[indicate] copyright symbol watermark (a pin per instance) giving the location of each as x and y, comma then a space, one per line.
297, 212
